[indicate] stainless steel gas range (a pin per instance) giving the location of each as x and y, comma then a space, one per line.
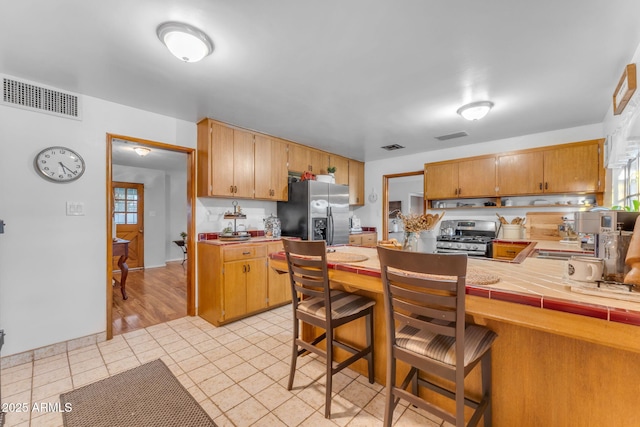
469, 236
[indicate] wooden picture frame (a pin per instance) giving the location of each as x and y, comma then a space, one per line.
625, 89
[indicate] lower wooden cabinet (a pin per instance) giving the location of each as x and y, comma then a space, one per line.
234, 281
279, 292
364, 239
508, 250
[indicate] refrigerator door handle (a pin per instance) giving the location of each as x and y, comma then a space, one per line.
329, 226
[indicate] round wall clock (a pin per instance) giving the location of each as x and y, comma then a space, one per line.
59, 164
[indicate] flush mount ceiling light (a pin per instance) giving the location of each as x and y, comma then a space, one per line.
475, 110
142, 151
185, 42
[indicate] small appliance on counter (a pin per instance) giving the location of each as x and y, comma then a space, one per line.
355, 225
233, 233
611, 231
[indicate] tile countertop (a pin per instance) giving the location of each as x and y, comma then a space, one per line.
535, 282
256, 239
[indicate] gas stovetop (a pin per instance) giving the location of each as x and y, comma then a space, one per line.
465, 239
466, 236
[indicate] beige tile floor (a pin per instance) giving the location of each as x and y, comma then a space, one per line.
237, 372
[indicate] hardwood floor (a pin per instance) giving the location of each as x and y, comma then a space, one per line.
156, 295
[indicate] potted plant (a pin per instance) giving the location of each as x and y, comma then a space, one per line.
331, 170
183, 235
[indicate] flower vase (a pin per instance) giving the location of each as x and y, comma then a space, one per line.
411, 241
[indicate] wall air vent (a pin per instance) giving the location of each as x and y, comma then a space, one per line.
452, 136
35, 97
392, 147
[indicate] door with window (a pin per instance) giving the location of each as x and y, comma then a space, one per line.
129, 220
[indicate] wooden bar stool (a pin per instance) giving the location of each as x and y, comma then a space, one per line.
316, 304
424, 296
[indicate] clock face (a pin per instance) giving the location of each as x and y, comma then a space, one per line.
59, 164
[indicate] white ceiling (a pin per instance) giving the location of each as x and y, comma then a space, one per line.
344, 76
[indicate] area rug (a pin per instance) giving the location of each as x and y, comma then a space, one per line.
149, 395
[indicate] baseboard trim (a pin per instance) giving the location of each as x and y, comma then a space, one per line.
51, 350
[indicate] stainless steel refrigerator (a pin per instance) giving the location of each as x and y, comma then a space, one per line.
316, 211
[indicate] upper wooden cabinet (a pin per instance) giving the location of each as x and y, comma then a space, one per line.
270, 157
461, 178
520, 173
225, 161
342, 168
567, 168
305, 159
238, 163
356, 183
575, 168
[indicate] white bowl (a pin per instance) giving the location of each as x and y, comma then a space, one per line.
325, 178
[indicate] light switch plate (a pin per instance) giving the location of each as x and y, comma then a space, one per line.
75, 208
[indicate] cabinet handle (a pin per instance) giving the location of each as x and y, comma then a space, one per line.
244, 268
248, 268
455, 191
235, 189
546, 185
540, 186
459, 191
246, 253
231, 189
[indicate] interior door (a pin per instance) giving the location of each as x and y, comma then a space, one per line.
129, 220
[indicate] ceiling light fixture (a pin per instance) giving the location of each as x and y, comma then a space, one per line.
185, 42
475, 110
141, 151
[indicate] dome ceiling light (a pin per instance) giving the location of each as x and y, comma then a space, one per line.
475, 110
185, 42
141, 151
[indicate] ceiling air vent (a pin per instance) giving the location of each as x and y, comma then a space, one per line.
392, 147
451, 136
34, 97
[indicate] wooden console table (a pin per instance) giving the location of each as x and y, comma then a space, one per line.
121, 249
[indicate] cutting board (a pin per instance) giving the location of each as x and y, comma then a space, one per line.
544, 225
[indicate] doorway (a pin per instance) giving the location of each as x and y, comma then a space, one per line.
189, 265
402, 192
128, 217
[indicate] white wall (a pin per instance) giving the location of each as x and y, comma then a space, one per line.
371, 213
176, 200
52, 266
165, 210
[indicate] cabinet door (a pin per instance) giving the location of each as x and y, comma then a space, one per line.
204, 158
279, 285
572, 169
243, 164
279, 173
256, 275
342, 169
234, 289
299, 158
355, 239
319, 162
369, 239
520, 174
221, 160
263, 163
356, 183
477, 178
441, 181
270, 157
